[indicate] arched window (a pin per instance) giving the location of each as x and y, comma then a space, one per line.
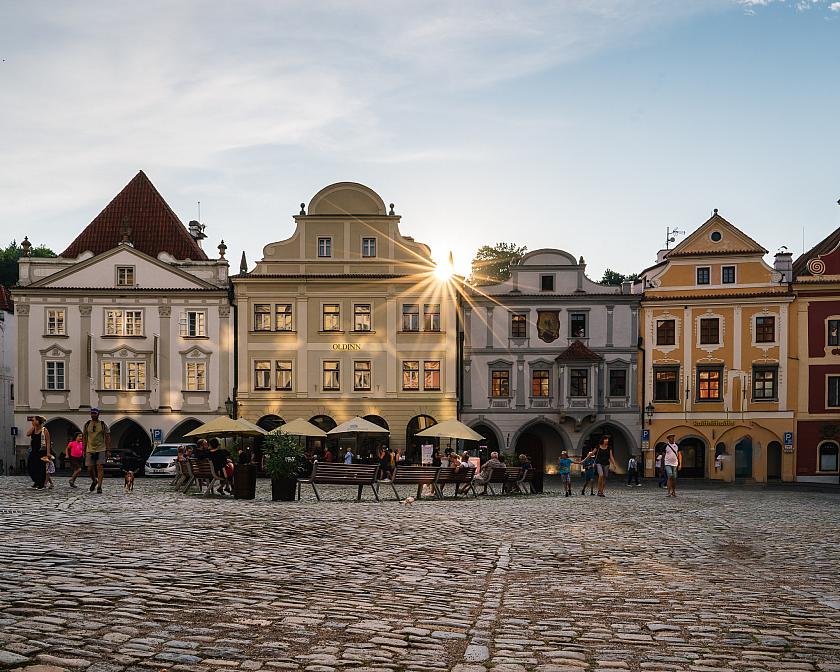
828, 451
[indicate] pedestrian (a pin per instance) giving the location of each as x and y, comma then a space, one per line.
603, 458
384, 464
348, 457
328, 455
565, 471
632, 471
436, 459
660, 469
673, 462
97, 439
76, 453
39, 451
50, 471
588, 467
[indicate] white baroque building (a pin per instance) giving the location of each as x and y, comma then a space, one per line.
550, 361
8, 348
132, 318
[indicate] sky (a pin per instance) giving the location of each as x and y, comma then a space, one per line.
586, 125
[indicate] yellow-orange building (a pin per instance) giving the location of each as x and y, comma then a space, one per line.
716, 343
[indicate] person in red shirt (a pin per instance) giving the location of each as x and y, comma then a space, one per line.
76, 453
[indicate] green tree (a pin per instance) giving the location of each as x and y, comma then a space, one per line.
9, 261
615, 278
491, 264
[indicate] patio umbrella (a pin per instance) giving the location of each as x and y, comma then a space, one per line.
299, 427
358, 426
451, 429
225, 426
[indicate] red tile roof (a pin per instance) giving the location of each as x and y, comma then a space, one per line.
6, 302
578, 352
154, 227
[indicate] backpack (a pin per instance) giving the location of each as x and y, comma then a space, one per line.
631, 464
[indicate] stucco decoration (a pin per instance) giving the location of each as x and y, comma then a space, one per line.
548, 325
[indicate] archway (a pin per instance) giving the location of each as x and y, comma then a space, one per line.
542, 443
693, 450
489, 444
774, 461
412, 444
368, 444
62, 432
621, 443
179, 432
316, 445
132, 441
743, 458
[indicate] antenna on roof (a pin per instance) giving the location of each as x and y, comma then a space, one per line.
199, 211
671, 236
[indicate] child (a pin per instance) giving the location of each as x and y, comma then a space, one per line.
565, 471
588, 465
50, 471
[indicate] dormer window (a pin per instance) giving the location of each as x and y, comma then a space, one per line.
368, 247
547, 283
125, 276
324, 247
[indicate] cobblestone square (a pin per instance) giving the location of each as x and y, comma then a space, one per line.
718, 579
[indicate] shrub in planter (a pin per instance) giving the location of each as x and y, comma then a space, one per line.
283, 458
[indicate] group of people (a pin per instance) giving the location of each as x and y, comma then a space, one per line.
90, 448
211, 449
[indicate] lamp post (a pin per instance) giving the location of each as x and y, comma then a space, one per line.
650, 409
230, 407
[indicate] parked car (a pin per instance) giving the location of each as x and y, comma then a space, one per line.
122, 460
162, 460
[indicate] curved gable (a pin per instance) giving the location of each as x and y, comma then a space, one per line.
347, 198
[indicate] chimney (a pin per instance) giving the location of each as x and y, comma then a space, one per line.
783, 263
197, 231
660, 256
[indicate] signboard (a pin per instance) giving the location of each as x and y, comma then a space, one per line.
14, 431
426, 453
157, 436
645, 440
346, 346
788, 442
476, 462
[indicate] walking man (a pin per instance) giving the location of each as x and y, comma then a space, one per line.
632, 471
673, 461
97, 439
603, 458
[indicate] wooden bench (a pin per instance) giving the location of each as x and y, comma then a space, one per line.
525, 482
414, 475
461, 477
327, 473
496, 477
512, 477
200, 473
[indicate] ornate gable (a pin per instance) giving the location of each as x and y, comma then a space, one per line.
578, 352
716, 237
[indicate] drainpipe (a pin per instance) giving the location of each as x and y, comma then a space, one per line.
232, 300
459, 358
642, 404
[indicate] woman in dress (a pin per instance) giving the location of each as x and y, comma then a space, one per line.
39, 447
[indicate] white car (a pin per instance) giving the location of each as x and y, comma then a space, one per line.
162, 460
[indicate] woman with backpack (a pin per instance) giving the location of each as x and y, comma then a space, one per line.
39, 451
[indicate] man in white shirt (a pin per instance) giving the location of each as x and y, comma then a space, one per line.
348, 457
673, 462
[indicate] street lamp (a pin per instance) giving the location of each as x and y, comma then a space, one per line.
230, 407
650, 409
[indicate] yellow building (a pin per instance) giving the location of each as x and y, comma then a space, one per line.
347, 317
716, 346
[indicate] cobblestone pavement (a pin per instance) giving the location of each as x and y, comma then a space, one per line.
718, 579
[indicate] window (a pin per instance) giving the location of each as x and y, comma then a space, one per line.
765, 329
666, 332
411, 317
828, 456
500, 384
431, 375
716, 236
125, 276
578, 325
764, 382
194, 323
54, 375
547, 283
283, 317
709, 330
361, 376
579, 383
431, 317
284, 375
618, 382
55, 322
709, 383
111, 375
361, 317
727, 275
834, 332
196, 376
703, 275
262, 374
665, 383
123, 375
539, 383
332, 375
136, 376
331, 313
324, 247
368, 247
123, 322
833, 400
411, 376
262, 317
518, 326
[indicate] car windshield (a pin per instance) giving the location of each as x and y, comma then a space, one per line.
165, 452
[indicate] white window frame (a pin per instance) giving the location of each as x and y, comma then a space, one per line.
196, 376
324, 317
194, 328
414, 375
427, 369
56, 365
324, 250
336, 372
369, 317
368, 247
819, 457
125, 276
262, 372
56, 322
366, 372
280, 367
120, 319
429, 317
414, 317
285, 314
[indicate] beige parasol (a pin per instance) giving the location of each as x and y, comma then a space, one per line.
224, 426
451, 429
358, 426
299, 427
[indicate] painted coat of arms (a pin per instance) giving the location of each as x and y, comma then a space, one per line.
548, 325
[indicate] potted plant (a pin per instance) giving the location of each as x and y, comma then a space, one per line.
283, 457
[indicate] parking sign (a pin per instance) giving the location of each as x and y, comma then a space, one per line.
157, 435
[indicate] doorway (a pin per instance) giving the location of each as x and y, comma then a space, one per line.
693, 452
774, 461
743, 458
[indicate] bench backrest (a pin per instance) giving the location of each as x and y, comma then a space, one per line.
414, 474
528, 476
201, 468
448, 475
513, 474
344, 474
497, 475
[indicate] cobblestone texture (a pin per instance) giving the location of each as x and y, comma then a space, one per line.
715, 580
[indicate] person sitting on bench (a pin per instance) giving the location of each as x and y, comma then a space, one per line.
487, 470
